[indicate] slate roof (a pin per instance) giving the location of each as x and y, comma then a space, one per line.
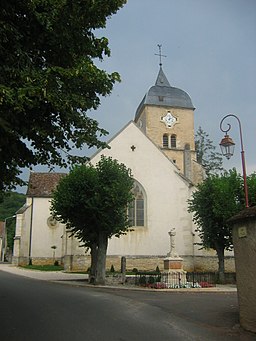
163, 94
43, 184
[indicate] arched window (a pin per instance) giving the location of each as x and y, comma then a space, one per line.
136, 210
173, 141
165, 141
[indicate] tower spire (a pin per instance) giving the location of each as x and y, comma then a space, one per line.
160, 54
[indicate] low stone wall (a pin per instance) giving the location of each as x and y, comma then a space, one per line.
207, 263
76, 263
190, 263
141, 263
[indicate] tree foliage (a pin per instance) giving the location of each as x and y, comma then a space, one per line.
48, 81
12, 201
92, 201
217, 199
206, 152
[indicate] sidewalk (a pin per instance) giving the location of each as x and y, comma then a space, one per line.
42, 275
81, 280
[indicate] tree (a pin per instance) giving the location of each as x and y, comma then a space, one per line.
217, 199
12, 201
48, 81
92, 201
206, 153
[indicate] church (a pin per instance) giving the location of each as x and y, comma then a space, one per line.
159, 148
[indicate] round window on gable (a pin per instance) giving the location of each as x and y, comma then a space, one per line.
52, 222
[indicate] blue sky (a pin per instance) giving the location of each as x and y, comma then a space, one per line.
211, 54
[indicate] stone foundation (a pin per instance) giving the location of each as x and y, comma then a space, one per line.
76, 263
20, 261
190, 263
207, 263
141, 263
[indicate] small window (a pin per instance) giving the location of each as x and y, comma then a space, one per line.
161, 98
165, 141
173, 141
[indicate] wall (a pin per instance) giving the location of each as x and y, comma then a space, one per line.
22, 234
167, 193
148, 263
45, 234
244, 240
183, 129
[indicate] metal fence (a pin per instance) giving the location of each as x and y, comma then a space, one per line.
180, 279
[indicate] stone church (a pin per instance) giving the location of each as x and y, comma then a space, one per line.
159, 148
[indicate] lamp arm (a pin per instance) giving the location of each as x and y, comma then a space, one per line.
242, 152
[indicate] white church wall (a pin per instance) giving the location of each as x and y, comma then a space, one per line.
22, 233
166, 196
45, 235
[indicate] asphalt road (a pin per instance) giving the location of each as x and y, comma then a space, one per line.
38, 310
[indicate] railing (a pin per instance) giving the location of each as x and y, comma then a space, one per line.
180, 279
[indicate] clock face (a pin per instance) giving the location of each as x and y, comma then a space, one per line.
169, 120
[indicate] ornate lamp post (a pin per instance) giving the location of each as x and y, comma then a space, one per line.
227, 148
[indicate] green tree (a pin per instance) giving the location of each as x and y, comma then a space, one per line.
217, 199
92, 201
12, 201
206, 153
48, 81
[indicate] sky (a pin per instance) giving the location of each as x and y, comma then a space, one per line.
210, 49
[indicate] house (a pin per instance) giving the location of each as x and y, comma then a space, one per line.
159, 148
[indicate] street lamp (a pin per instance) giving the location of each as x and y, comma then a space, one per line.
4, 237
227, 146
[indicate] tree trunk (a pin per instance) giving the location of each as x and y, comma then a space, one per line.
221, 269
101, 259
94, 256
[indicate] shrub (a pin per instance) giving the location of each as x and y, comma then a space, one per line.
142, 280
112, 269
151, 280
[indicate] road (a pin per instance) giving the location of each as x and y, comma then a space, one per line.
40, 310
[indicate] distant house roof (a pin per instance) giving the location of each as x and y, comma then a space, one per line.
43, 184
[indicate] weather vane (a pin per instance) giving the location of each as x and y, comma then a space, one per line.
160, 54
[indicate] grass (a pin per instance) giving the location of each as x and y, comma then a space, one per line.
44, 267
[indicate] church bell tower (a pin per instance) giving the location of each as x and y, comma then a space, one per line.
166, 116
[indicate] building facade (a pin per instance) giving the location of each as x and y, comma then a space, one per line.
159, 148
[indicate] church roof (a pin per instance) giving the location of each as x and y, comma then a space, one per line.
43, 184
163, 94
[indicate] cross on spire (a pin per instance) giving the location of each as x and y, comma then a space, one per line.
160, 54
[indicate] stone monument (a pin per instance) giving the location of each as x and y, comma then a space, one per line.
173, 275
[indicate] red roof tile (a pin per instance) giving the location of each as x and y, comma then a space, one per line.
43, 184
